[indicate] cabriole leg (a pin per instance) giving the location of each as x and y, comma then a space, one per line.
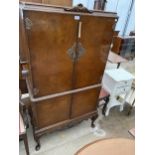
93, 120
38, 143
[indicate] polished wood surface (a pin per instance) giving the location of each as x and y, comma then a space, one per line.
90, 67
50, 64
51, 33
53, 111
115, 58
84, 102
124, 46
117, 41
116, 146
22, 82
23, 124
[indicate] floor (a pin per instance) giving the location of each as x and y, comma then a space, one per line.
68, 141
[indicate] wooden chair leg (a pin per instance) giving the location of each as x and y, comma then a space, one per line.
105, 105
26, 144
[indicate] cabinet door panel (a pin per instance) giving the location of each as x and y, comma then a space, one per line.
52, 111
96, 36
85, 102
50, 35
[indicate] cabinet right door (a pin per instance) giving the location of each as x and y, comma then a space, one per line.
95, 39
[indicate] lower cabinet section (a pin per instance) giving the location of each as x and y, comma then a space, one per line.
52, 111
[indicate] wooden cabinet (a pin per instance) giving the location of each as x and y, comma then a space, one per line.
66, 53
124, 46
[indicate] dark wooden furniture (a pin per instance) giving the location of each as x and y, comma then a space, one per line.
99, 4
23, 123
124, 46
116, 44
22, 133
116, 59
113, 146
22, 81
132, 33
63, 56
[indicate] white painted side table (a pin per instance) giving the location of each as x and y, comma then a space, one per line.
116, 82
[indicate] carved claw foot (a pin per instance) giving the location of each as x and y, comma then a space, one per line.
37, 148
93, 120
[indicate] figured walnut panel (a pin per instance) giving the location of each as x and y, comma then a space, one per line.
49, 39
84, 102
96, 36
117, 41
52, 111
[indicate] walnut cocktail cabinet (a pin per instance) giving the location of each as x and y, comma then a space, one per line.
63, 52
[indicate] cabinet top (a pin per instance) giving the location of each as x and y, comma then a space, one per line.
65, 10
119, 74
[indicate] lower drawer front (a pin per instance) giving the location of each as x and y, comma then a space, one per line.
84, 102
52, 111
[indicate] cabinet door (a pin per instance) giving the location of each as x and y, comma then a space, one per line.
96, 36
50, 35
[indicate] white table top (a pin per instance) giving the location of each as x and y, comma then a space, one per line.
119, 74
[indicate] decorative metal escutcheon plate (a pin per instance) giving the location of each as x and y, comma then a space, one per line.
28, 23
72, 51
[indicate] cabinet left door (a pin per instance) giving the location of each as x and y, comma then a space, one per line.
49, 37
